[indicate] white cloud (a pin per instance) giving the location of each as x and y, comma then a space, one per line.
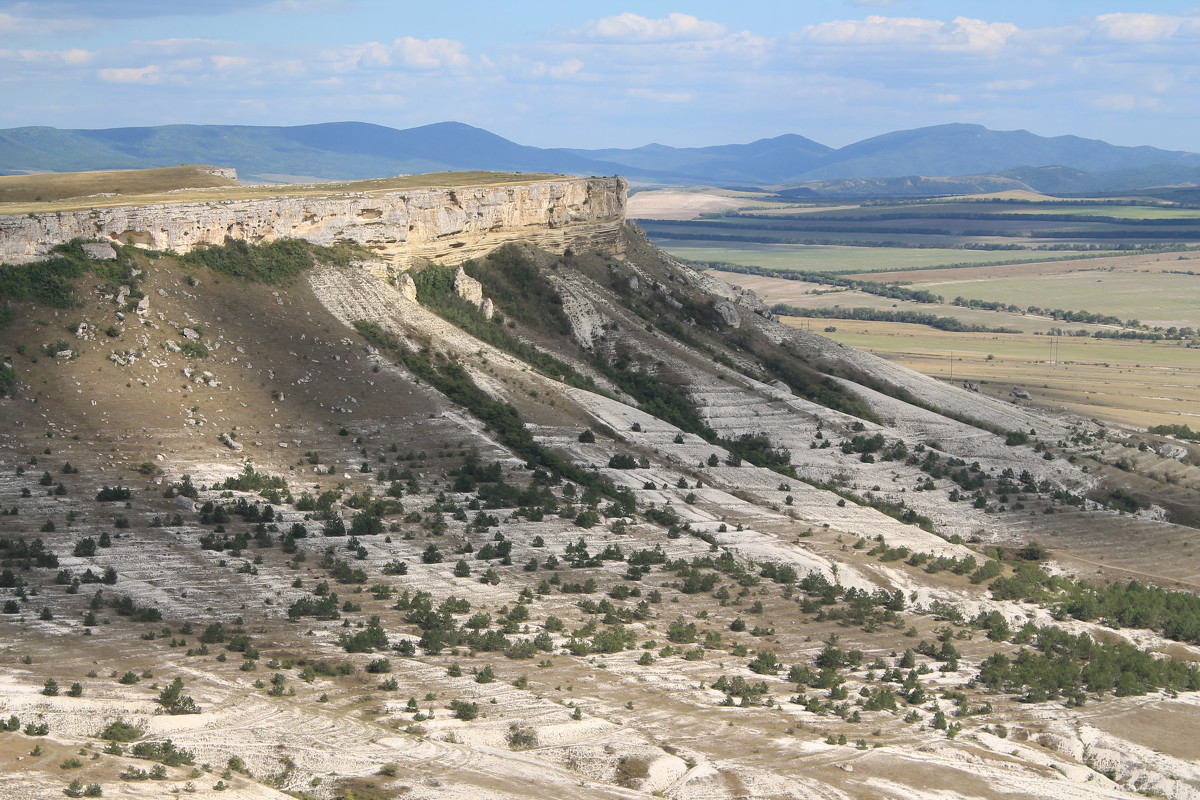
1126, 102
423, 54
146, 75
1003, 85
430, 53
674, 27
660, 97
230, 62
567, 69
73, 57
14, 25
1144, 28
962, 33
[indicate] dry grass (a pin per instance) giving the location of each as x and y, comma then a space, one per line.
125, 182
70, 197
1135, 383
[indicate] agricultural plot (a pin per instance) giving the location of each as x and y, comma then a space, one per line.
834, 258
1156, 298
938, 248
1133, 383
821, 296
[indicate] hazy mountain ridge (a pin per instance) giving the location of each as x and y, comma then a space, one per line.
349, 150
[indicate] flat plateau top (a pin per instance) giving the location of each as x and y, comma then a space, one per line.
75, 191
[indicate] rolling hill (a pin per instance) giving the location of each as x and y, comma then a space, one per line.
353, 150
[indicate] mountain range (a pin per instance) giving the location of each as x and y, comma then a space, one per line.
349, 150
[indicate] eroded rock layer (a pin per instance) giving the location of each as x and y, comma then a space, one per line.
447, 225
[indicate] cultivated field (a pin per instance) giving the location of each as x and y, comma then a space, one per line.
834, 258
1134, 382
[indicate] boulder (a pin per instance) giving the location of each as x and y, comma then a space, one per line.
488, 309
729, 313
101, 251
407, 286
468, 288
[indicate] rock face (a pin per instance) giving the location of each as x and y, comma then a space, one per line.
407, 286
468, 288
729, 313
445, 225
101, 251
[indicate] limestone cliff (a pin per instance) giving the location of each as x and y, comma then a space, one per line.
441, 224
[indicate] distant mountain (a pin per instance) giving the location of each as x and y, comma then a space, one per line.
760, 162
938, 151
973, 149
904, 162
336, 150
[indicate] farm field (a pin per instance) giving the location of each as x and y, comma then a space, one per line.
1132, 383
1154, 298
1125, 381
835, 258
805, 294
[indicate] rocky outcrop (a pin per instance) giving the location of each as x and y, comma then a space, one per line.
729, 313
468, 288
407, 286
445, 225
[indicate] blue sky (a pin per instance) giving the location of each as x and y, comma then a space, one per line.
600, 74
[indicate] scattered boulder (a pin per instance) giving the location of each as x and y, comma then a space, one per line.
188, 333
1175, 451
143, 307
100, 251
230, 442
728, 313
488, 309
1017, 391
407, 286
468, 288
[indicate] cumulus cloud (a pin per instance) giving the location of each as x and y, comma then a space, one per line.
421, 54
19, 25
73, 57
674, 27
149, 74
1144, 28
962, 33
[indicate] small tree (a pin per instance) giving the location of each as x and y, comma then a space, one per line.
521, 737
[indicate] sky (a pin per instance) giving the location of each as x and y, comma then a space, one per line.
601, 74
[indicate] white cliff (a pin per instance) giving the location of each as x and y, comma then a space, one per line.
440, 224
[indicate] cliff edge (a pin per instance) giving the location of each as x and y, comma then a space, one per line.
450, 225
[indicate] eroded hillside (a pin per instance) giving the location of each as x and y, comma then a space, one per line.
589, 524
